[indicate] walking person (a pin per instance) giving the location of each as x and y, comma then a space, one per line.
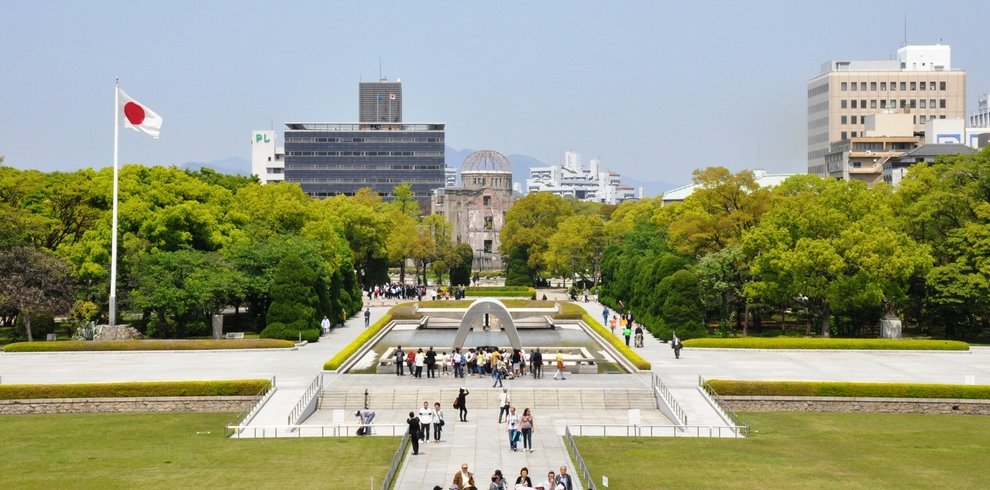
503, 404
639, 335
400, 359
367, 317
627, 332
523, 477
550, 483
431, 363
444, 361
438, 422
675, 344
564, 479
605, 313
425, 419
419, 361
414, 429
526, 427
411, 361
612, 323
498, 373
325, 325
462, 403
560, 366
464, 478
512, 427
537, 363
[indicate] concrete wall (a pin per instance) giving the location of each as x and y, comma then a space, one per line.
114, 405
867, 405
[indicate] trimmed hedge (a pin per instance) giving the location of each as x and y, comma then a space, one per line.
630, 354
570, 311
819, 343
501, 291
140, 345
841, 389
351, 348
239, 387
294, 331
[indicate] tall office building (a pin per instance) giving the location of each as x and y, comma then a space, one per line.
380, 101
920, 82
981, 118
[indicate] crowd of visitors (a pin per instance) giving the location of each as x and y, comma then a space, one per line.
406, 292
465, 480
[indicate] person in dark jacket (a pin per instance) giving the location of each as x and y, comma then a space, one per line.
414, 431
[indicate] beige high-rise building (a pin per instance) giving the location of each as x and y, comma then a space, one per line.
920, 82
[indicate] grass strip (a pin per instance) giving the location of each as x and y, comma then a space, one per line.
843, 389
831, 343
239, 387
143, 345
178, 450
796, 450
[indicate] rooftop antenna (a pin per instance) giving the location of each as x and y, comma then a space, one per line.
905, 30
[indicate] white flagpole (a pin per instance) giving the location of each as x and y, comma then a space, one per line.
113, 239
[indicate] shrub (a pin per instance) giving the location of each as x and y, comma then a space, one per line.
241, 387
633, 357
570, 311
144, 345
293, 331
831, 343
501, 291
841, 389
351, 348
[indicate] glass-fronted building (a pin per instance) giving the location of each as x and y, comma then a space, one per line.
329, 159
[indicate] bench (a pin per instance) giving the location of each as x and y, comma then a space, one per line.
234, 335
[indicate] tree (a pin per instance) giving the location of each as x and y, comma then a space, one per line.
718, 212
460, 271
681, 312
830, 246
293, 311
183, 289
34, 282
577, 247
529, 223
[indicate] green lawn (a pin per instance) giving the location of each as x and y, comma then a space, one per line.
105, 451
805, 450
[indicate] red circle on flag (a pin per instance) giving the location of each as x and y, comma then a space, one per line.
134, 113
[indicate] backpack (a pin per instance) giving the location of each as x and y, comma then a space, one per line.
456, 403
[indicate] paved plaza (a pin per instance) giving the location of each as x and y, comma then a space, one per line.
481, 442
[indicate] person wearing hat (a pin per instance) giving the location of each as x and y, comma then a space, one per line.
463, 478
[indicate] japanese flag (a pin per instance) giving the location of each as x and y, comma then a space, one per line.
137, 116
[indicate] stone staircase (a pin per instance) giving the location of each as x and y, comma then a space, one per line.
549, 398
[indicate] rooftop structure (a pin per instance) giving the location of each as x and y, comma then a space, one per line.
573, 180
763, 179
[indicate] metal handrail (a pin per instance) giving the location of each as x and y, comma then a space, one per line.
314, 389
661, 390
721, 403
299, 430
582, 467
624, 430
396, 461
244, 417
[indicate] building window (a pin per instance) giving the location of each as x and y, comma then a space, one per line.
883, 104
842, 120
862, 86
883, 85
923, 120
853, 86
843, 86
903, 85
903, 103
854, 103
842, 135
488, 246
489, 222
931, 103
914, 86
914, 103
941, 103
923, 103
941, 85
873, 104
852, 134
486, 200
922, 86
853, 119
873, 86
862, 104
843, 104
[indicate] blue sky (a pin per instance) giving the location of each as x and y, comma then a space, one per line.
654, 89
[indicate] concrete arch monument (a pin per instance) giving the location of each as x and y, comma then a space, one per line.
478, 310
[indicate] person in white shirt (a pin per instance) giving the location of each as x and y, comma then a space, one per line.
549, 484
438, 422
425, 419
512, 426
503, 404
325, 324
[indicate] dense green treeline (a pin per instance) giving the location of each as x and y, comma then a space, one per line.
733, 258
192, 243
